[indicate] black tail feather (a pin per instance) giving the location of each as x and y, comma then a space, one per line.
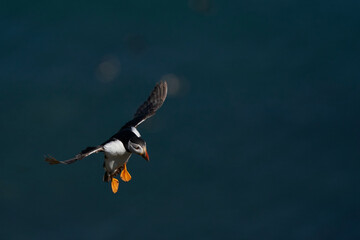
106, 177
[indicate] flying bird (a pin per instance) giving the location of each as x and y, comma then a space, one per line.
118, 148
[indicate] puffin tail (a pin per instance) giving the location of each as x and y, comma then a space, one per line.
106, 177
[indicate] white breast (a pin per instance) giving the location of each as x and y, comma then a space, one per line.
114, 148
115, 155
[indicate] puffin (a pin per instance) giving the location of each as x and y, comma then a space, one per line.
118, 148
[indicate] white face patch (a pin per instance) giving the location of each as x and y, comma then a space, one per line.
135, 131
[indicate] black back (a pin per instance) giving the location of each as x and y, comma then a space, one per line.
124, 135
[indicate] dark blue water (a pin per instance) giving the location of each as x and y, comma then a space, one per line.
258, 139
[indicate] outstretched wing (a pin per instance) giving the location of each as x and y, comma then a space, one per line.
84, 153
150, 106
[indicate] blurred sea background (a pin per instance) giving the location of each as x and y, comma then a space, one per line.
258, 138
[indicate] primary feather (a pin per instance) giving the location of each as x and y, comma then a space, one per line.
150, 106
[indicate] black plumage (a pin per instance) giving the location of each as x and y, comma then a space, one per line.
150, 106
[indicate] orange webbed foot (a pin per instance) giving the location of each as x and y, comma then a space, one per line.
125, 175
114, 185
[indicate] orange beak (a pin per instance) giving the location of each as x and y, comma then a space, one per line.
145, 155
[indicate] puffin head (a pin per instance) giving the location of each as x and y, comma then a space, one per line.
138, 145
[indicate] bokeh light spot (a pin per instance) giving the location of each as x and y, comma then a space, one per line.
174, 83
108, 69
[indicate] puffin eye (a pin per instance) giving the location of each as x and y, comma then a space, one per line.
137, 147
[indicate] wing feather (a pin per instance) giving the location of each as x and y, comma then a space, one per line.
150, 106
84, 153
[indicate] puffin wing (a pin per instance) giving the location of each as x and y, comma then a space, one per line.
84, 153
150, 106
